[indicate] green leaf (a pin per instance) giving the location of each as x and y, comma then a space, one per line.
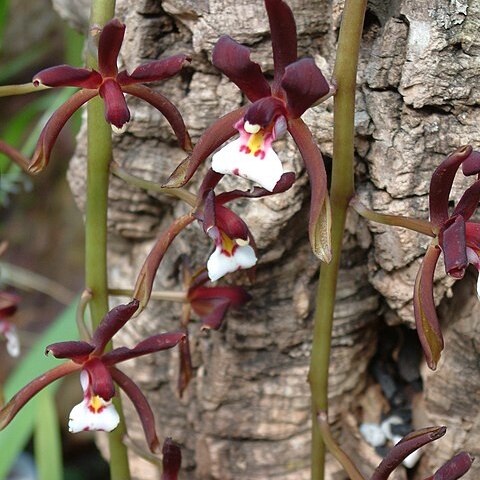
17, 434
47, 441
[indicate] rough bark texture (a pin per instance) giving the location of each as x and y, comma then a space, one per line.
246, 414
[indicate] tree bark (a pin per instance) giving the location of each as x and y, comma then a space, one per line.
246, 413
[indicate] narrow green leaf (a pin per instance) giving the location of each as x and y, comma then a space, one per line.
17, 434
47, 441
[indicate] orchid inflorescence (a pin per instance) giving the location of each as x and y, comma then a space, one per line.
275, 108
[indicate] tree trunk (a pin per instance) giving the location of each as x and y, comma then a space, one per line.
246, 413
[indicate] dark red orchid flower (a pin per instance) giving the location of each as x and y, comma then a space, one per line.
8, 307
227, 229
212, 303
110, 85
456, 237
275, 108
452, 470
98, 374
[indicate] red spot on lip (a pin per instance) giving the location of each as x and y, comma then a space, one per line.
245, 148
236, 171
259, 153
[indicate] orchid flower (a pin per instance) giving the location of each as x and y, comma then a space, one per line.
228, 231
456, 237
8, 307
110, 85
212, 303
98, 374
297, 85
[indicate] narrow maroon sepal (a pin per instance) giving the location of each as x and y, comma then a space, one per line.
172, 460
77, 351
67, 76
111, 323
284, 35
455, 468
8, 411
185, 370
218, 133
468, 203
452, 240
319, 225
426, 320
109, 45
166, 108
304, 84
413, 441
233, 60
116, 110
100, 378
152, 344
154, 71
53, 127
441, 184
209, 219
141, 405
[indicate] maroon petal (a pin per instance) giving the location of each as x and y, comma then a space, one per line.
212, 303
441, 184
285, 182
109, 45
428, 328
218, 133
172, 460
265, 111
473, 234
455, 468
233, 60
8, 304
163, 341
111, 323
284, 36
141, 405
166, 108
100, 379
144, 284
14, 155
75, 350
304, 84
208, 216
468, 203
413, 441
452, 240
154, 71
209, 182
8, 412
471, 165
236, 296
67, 76
116, 110
231, 223
319, 221
52, 128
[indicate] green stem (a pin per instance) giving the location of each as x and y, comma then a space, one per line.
22, 89
416, 224
99, 155
342, 189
